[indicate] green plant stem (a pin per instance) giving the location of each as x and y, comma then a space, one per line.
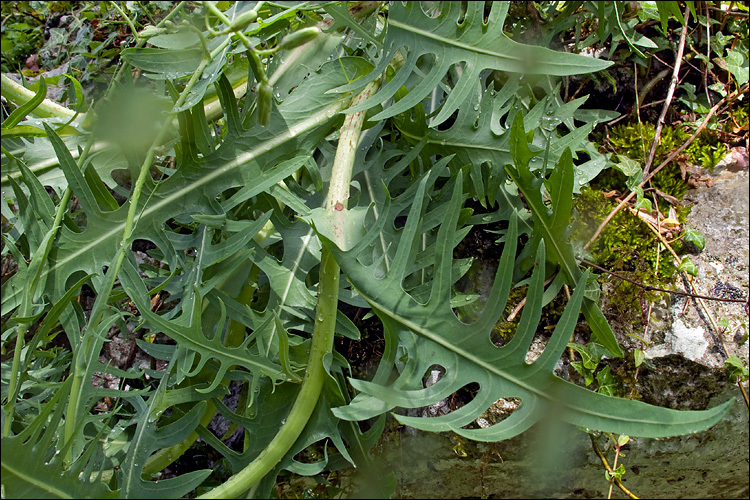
341, 174
127, 20
26, 305
325, 321
252, 55
211, 108
13, 382
312, 384
601, 456
18, 94
46, 109
342, 169
100, 305
614, 467
670, 93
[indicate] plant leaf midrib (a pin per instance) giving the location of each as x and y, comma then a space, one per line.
278, 141
448, 345
46, 486
464, 47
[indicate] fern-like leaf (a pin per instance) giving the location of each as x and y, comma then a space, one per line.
552, 227
193, 188
147, 439
33, 468
452, 38
431, 334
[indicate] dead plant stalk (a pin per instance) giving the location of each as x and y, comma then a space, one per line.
670, 93
675, 153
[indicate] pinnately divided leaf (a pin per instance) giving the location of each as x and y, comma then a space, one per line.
553, 227
147, 439
431, 334
467, 40
32, 469
173, 247
187, 331
252, 158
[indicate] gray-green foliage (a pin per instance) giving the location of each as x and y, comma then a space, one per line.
239, 233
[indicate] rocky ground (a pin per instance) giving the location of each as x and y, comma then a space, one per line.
720, 212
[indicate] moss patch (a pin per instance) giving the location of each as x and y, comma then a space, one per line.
625, 246
634, 141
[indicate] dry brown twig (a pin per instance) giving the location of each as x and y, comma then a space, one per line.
744, 393
708, 55
520, 305
675, 153
649, 288
670, 92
